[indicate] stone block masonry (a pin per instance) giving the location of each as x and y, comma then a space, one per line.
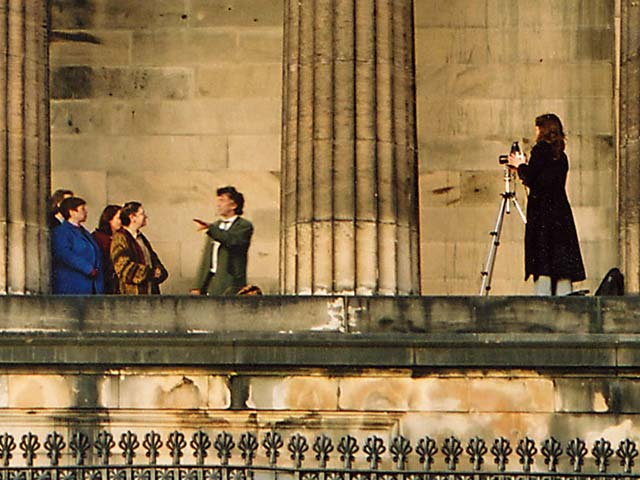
480, 367
194, 88
163, 102
483, 74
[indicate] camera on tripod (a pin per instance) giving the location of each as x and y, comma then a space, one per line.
515, 148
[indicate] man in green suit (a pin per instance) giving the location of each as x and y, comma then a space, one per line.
223, 266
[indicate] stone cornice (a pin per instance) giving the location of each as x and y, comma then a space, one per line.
315, 350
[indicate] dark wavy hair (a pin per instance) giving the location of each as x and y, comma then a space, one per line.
56, 198
70, 203
551, 131
129, 208
234, 195
107, 215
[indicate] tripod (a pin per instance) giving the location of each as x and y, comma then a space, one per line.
508, 197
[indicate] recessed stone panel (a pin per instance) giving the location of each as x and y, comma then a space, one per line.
511, 395
160, 391
40, 391
293, 393
376, 394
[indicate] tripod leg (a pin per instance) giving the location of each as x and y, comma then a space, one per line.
487, 273
519, 209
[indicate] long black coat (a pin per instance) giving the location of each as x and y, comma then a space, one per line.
551, 243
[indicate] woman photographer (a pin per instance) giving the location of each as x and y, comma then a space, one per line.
551, 248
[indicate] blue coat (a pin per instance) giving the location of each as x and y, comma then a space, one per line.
74, 255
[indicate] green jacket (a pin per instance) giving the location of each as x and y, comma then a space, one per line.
231, 270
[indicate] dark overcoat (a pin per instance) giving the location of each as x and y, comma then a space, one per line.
551, 245
231, 270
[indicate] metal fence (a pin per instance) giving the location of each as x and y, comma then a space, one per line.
99, 459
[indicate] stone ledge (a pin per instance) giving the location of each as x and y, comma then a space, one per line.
296, 314
315, 350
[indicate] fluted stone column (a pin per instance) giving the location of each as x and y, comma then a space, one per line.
349, 221
24, 149
629, 171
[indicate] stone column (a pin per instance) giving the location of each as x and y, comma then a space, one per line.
629, 170
349, 221
24, 149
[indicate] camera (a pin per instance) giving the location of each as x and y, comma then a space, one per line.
515, 148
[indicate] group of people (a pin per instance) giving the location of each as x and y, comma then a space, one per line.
116, 258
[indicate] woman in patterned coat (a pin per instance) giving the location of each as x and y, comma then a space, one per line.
137, 266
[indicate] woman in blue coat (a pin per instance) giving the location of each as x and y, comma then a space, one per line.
77, 260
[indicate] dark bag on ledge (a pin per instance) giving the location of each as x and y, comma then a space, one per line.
612, 284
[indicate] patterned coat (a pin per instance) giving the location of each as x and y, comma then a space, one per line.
134, 276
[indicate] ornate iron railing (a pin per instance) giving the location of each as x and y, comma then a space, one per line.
93, 459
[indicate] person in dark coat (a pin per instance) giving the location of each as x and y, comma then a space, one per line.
54, 217
223, 266
76, 257
551, 248
109, 224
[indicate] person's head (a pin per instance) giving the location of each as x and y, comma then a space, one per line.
56, 199
132, 215
230, 202
110, 219
74, 209
549, 129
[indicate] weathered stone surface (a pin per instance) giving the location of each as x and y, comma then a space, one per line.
143, 153
483, 79
204, 117
160, 392
483, 73
260, 46
98, 48
129, 83
593, 394
184, 47
170, 86
240, 81
40, 391
511, 395
75, 117
293, 393
237, 13
255, 152
118, 14
89, 185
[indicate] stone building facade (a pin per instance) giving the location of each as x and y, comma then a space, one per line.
164, 101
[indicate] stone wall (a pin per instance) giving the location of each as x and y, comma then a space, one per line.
163, 102
475, 366
484, 74
511, 404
